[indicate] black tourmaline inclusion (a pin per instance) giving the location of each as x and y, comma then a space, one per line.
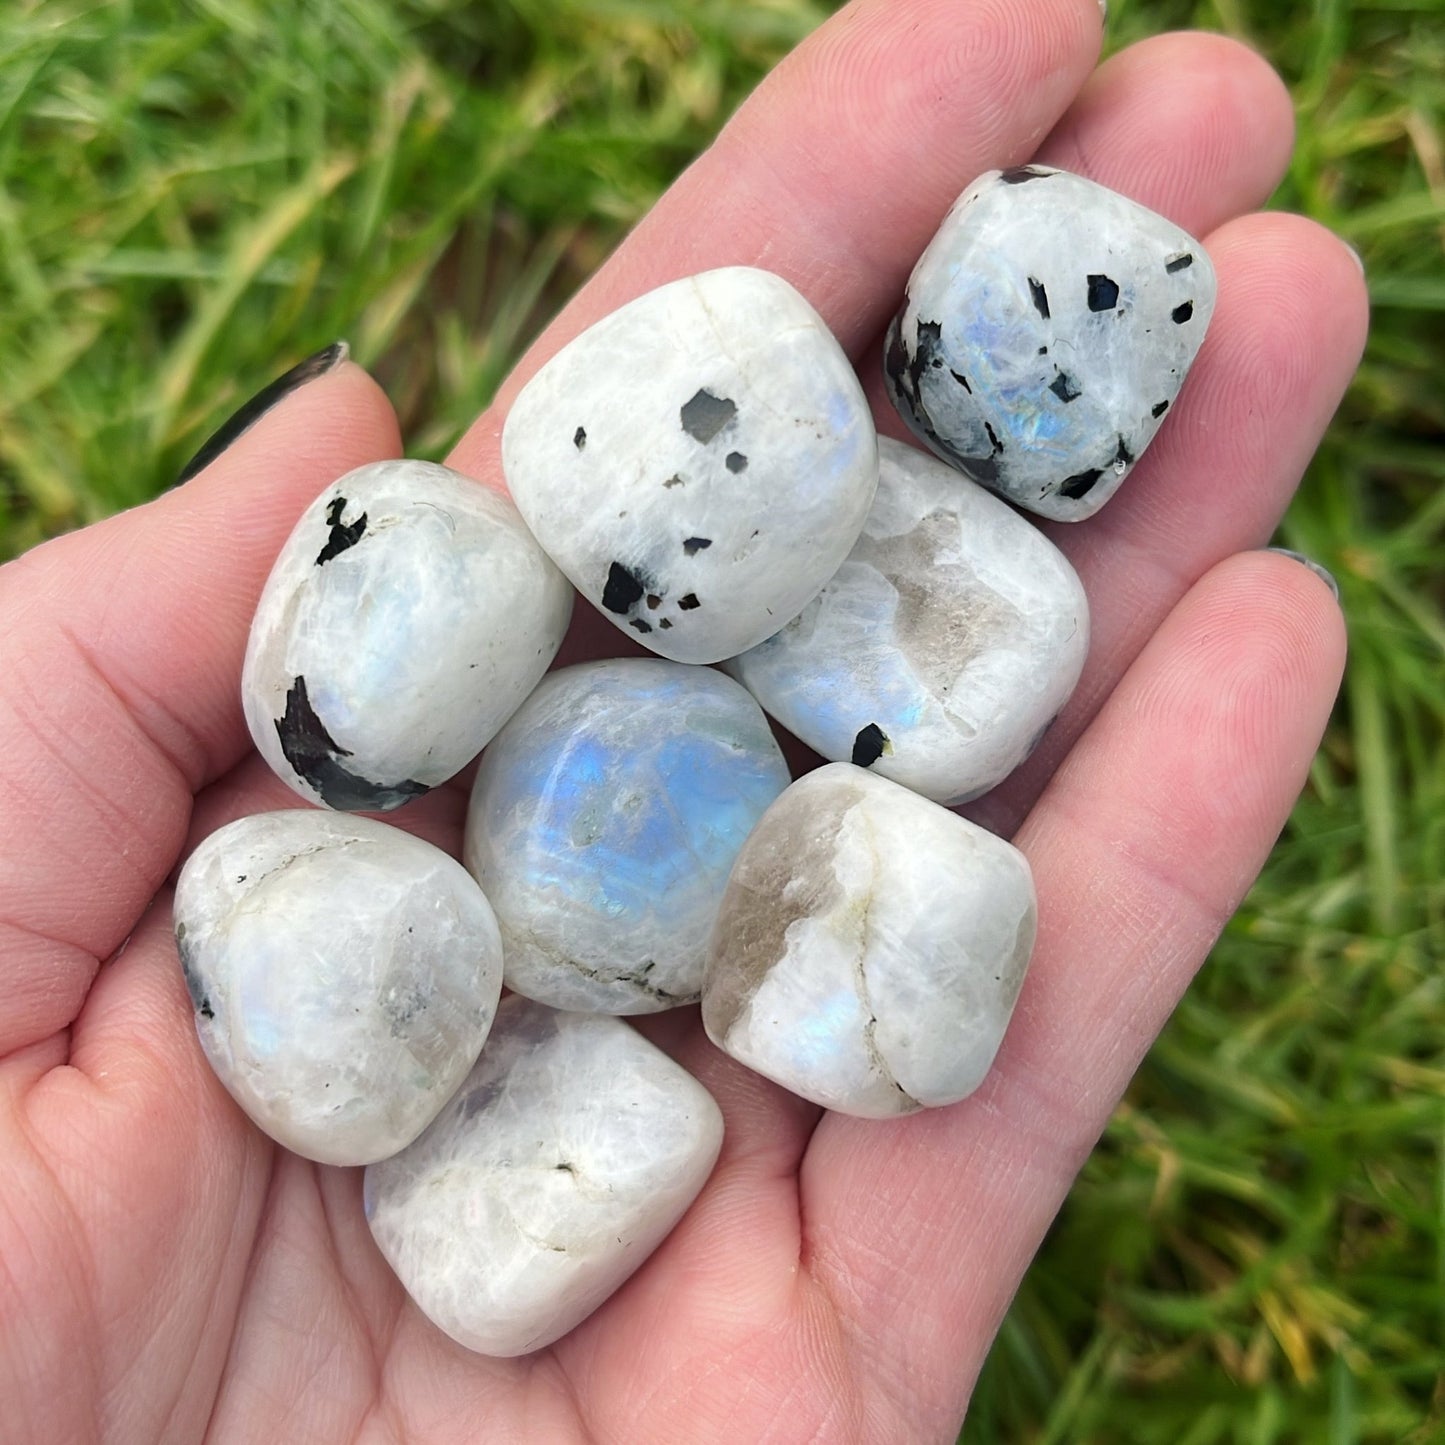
316, 757
868, 746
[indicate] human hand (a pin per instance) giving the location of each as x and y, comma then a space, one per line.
168, 1272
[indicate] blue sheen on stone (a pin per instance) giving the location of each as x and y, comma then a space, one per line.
1045, 333
941, 650
604, 821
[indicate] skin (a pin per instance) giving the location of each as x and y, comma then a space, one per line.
168, 1274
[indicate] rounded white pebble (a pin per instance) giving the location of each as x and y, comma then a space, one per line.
603, 824
870, 947
344, 976
406, 618
941, 650
565, 1159
1045, 334
698, 463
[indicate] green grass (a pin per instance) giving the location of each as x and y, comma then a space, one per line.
193, 197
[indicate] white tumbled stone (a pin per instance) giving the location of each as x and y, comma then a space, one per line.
698, 463
564, 1160
604, 820
344, 976
941, 650
1045, 333
407, 616
870, 947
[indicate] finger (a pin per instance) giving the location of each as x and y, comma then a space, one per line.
1142, 847
133, 1190
1286, 337
839, 168
1196, 127
121, 647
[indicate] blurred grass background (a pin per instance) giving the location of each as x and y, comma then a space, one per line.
193, 196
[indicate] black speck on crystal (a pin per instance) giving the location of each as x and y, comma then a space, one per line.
1123, 456
693, 545
689, 602
342, 535
705, 415
962, 380
1181, 313
868, 746
736, 462
1179, 263
579, 438
1159, 408
316, 757
623, 590
1040, 297
640, 624
1080, 484
1017, 175
929, 344
1103, 293
1064, 387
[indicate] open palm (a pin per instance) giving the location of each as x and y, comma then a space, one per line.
167, 1273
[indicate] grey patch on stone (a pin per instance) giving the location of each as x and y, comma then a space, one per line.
1065, 388
937, 653
787, 879
705, 415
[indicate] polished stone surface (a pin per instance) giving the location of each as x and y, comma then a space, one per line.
344, 976
408, 615
870, 947
698, 463
1045, 334
565, 1159
942, 648
604, 820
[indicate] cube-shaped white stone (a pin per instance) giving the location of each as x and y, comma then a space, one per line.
1045, 334
941, 650
870, 947
698, 463
561, 1164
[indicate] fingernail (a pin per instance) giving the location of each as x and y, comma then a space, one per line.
1322, 573
244, 418
1104, 11
1359, 259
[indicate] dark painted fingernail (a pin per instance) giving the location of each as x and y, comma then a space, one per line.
243, 419
1322, 573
